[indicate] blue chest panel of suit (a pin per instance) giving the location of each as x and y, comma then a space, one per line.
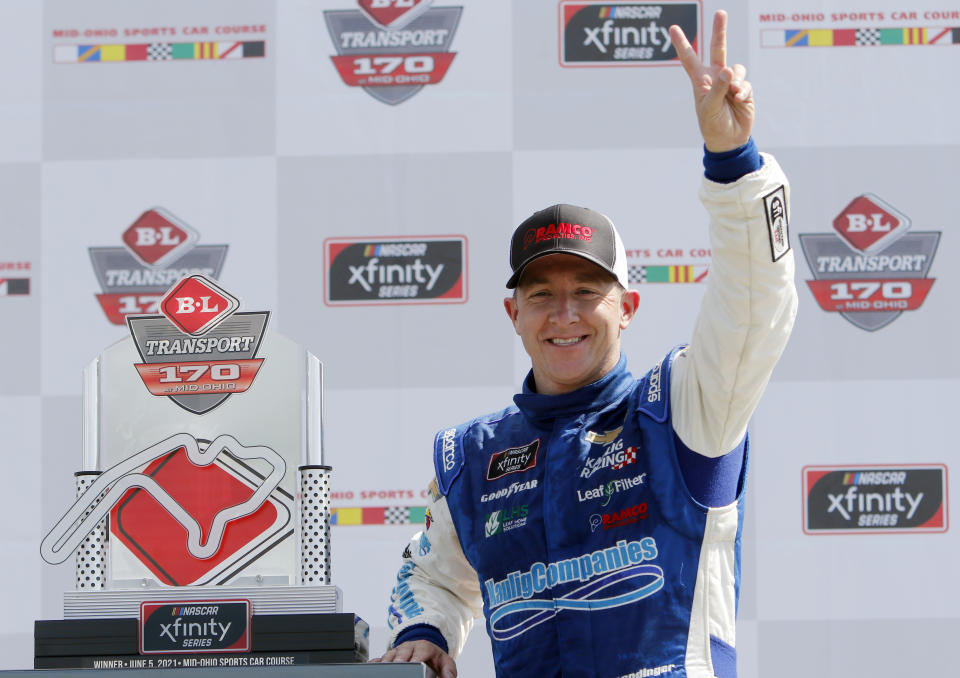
573, 512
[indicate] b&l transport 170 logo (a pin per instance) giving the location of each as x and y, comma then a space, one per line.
872, 268
899, 498
392, 48
395, 270
158, 250
625, 33
200, 350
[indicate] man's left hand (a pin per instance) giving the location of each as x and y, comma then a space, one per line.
723, 96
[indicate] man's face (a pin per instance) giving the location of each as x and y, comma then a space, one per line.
569, 313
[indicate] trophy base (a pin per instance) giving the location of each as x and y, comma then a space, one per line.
277, 640
264, 600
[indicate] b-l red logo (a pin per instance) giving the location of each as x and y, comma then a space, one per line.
394, 14
868, 224
871, 268
197, 304
157, 237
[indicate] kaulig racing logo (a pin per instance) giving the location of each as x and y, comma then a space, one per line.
615, 456
158, 250
625, 33
871, 269
875, 499
392, 48
391, 270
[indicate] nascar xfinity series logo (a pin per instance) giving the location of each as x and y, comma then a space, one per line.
875, 499
513, 460
158, 250
392, 48
514, 610
871, 269
625, 33
197, 626
199, 351
388, 270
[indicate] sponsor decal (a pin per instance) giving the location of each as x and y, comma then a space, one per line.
509, 491
449, 448
513, 460
195, 626
560, 231
220, 514
407, 553
378, 515
775, 208
668, 265
595, 438
626, 516
82, 45
649, 672
434, 490
159, 249
614, 456
625, 33
860, 29
506, 519
393, 270
871, 268
12, 280
404, 603
199, 351
514, 609
606, 490
393, 48
423, 546
903, 498
428, 518
653, 387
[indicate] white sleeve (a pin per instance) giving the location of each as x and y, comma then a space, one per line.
746, 315
436, 585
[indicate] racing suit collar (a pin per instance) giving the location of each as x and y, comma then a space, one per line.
605, 391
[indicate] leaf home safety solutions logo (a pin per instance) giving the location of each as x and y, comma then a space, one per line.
393, 270
871, 269
625, 33
159, 249
907, 498
392, 48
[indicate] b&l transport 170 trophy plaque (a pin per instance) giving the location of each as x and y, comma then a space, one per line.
201, 528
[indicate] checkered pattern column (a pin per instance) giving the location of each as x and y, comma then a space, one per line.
92, 553
315, 525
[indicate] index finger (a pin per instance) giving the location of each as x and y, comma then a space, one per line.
688, 58
718, 42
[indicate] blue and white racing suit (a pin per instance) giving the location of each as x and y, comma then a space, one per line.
572, 519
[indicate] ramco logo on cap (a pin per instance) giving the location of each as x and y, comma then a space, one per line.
567, 229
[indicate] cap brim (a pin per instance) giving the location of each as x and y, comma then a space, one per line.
515, 278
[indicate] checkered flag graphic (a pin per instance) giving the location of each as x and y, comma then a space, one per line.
396, 515
159, 51
629, 457
868, 36
635, 274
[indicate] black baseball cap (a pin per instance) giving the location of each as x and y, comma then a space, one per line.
568, 229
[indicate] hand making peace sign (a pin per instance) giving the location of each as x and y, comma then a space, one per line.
723, 97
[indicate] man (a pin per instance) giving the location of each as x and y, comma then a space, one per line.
597, 521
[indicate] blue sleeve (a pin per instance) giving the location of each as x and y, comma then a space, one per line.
423, 632
713, 481
727, 167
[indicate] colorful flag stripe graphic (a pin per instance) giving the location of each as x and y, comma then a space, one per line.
158, 51
668, 274
378, 515
859, 37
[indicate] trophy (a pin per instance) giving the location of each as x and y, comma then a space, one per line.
201, 527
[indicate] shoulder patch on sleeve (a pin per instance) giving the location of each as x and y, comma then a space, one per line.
655, 388
447, 457
775, 208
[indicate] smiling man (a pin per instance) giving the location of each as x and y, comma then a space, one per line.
596, 522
